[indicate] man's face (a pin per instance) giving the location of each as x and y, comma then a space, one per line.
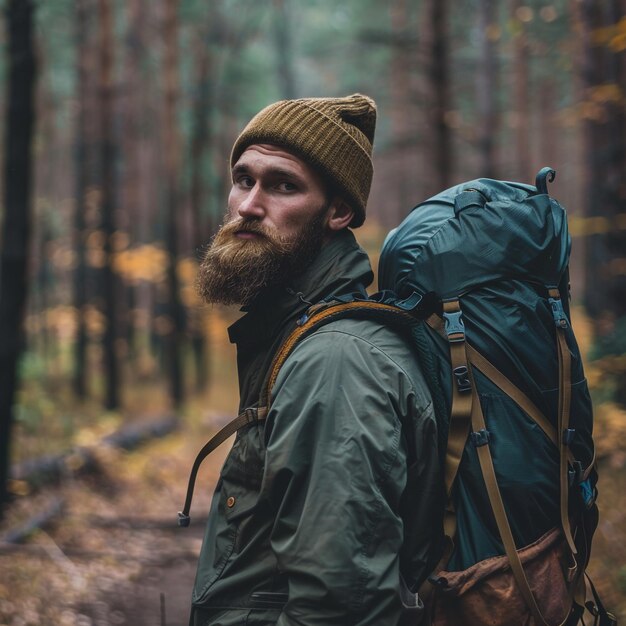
275, 226
276, 189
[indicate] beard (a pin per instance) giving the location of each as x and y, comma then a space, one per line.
237, 271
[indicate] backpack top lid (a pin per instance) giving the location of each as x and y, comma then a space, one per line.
475, 233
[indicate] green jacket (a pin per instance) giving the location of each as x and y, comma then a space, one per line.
330, 512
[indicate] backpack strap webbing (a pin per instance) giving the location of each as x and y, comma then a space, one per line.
565, 397
510, 389
460, 413
385, 313
249, 416
480, 439
453, 331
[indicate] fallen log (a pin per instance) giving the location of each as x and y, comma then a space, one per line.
40, 520
46, 470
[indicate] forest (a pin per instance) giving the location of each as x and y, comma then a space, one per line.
117, 118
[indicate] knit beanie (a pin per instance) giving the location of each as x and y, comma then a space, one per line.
334, 135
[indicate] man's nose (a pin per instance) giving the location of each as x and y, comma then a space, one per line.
253, 204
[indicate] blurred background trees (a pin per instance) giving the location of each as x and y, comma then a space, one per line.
136, 107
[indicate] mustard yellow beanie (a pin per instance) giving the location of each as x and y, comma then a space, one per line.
334, 135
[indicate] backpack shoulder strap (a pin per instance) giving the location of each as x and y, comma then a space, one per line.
325, 313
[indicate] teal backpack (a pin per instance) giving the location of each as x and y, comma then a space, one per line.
477, 279
515, 413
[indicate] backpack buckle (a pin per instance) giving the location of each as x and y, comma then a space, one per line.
183, 520
454, 326
560, 319
480, 437
461, 377
575, 474
568, 436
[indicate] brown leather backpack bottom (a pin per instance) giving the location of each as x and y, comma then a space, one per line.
486, 594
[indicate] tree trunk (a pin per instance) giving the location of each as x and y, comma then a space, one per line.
604, 73
487, 85
16, 227
175, 335
402, 128
594, 74
107, 182
201, 140
204, 223
520, 107
82, 186
439, 94
284, 48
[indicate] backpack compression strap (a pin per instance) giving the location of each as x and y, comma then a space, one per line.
565, 395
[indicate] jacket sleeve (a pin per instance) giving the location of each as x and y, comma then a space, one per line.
335, 472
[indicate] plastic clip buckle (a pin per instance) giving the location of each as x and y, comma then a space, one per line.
183, 520
461, 377
560, 319
568, 436
480, 437
454, 326
575, 474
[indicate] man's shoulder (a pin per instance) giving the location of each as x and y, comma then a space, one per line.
357, 356
349, 339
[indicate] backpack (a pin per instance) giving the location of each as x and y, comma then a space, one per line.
515, 413
477, 279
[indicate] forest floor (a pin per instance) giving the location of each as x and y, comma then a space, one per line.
116, 551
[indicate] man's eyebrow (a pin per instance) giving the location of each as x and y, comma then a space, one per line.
277, 172
239, 168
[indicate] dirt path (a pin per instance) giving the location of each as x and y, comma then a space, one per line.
118, 547
138, 601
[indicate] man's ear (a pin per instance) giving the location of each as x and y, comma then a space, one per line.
340, 214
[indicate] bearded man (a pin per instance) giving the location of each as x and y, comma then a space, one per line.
326, 512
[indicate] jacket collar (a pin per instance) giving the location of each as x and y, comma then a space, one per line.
341, 267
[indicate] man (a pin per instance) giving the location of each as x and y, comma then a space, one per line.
326, 513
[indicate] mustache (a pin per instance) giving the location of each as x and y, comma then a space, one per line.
248, 225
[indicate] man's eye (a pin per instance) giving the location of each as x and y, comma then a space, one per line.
285, 186
245, 181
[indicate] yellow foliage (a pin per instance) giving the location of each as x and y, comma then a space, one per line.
18, 487
91, 435
580, 226
610, 429
609, 92
583, 328
147, 262
610, 36
186, 269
